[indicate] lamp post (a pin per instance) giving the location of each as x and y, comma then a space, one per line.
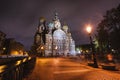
42, 50
56, 50
89, 30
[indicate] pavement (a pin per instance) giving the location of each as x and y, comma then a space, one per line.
85, 62
67, 69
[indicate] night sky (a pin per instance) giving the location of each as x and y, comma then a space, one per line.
19, 18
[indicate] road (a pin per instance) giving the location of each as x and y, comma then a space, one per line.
65, 69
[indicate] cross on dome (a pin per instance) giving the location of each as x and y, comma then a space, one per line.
56, 15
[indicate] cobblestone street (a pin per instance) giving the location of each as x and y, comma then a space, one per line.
65, 69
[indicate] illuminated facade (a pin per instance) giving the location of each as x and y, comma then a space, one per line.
13, 47
54, 39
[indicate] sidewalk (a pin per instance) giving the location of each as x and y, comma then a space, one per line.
85, 62
68, 69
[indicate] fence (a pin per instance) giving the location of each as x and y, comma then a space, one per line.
17, 69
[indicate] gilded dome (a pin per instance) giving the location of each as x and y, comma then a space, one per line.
65, 27
42, 19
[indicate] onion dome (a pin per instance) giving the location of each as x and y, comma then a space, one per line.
65, 27
59, 34
51, 25
42, 19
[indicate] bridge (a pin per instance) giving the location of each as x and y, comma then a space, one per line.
15, 67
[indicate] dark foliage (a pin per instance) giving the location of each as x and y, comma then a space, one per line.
109, 30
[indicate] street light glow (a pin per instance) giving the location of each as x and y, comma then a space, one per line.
42, 47
89, 29
56, 47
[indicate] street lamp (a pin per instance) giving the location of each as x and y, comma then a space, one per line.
56, 50
89, 30
42, 47
42, 50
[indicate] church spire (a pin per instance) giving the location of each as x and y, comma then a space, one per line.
56, 15
56, 21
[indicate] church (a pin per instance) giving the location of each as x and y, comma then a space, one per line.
53, 39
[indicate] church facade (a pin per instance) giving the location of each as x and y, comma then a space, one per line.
53, 39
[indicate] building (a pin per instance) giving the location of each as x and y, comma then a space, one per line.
53, 39
13, 47
9, 46
2, 40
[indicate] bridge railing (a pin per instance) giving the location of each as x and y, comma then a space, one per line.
17, 69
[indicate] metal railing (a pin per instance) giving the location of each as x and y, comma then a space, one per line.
18, 69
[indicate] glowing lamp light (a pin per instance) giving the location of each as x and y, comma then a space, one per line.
89, 29
15, 52
42, 48
56, 47
4, 48
109, 57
